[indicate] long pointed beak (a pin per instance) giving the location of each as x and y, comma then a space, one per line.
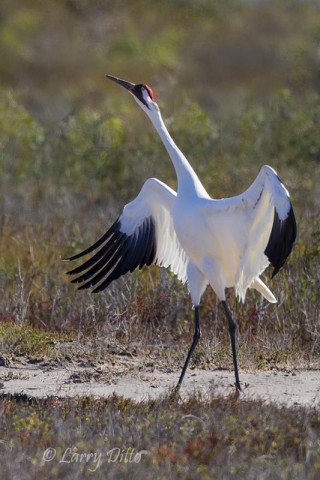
128, 85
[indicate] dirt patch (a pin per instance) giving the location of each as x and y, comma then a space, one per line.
142, 383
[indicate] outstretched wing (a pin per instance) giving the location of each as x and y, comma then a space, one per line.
143, 234
271, 227
268, 188
252, 230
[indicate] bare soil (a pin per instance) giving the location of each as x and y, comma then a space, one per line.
133, 379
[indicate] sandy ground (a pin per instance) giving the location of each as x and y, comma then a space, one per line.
300, 387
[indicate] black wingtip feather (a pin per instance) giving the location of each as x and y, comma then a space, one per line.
281, 241
101, 259
119, 255
95, 245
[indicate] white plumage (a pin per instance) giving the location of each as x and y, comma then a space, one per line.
225, 243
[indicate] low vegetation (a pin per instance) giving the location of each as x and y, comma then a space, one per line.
195, 438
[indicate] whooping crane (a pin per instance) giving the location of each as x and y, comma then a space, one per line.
225, 243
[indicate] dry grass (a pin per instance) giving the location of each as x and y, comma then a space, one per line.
221, 438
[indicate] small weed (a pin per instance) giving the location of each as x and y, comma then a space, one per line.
18, 340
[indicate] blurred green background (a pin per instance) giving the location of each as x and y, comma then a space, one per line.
238, 85
237, 81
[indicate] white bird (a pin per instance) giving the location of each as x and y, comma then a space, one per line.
225, 243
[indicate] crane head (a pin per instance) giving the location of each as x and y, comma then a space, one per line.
143, 94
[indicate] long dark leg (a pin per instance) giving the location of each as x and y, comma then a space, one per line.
196, 337
232, 331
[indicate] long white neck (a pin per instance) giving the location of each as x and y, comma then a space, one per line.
188, 181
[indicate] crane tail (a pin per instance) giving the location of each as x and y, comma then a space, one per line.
261, 287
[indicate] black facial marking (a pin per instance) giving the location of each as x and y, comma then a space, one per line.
138, 90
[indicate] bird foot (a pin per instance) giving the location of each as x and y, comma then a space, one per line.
175, 393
